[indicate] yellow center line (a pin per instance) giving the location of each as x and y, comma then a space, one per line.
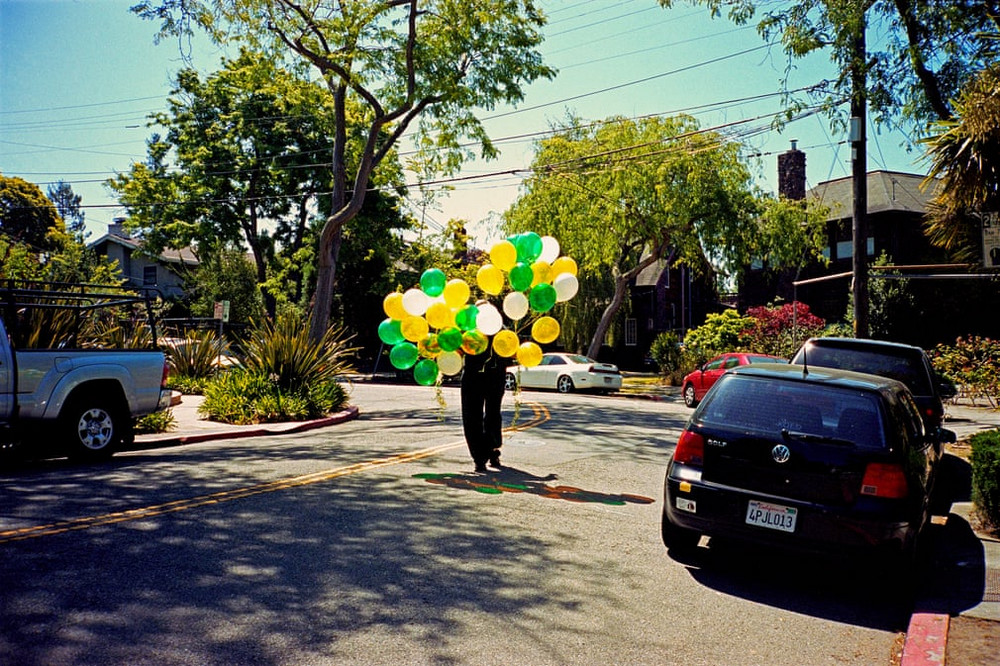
540, 415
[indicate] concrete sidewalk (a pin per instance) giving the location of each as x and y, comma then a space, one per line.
956, 620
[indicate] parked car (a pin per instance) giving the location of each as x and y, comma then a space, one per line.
823, 461
696, 383
566, 373
905, 363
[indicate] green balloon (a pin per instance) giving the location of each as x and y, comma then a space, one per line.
450, 339
520, 276
403, 355
542, 297
466, 318
389, 331
529, 247
432, 281
426, 372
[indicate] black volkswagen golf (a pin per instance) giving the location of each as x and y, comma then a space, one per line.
804, 458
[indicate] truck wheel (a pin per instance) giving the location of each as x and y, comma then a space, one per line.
93, 428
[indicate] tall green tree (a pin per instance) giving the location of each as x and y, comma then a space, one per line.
424, 63
243, 151
621, 195
67, 203
27, 216
925, 50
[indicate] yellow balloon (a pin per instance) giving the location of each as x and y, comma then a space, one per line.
562, 265
456, 293
429, 347
545, 330
439, 315
393, 306
490, 279
414, 328
541, 272
504, 255
529, 354
505, 343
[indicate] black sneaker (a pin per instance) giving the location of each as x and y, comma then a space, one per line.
481, 468
495, 461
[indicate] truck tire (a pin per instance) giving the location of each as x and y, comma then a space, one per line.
93, 427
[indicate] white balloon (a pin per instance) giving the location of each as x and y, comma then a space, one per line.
550, 249
450, 363
515, 305
415, 302
566, 286
488, 321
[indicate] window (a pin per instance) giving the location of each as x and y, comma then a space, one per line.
148, 276
630, 332
845, 249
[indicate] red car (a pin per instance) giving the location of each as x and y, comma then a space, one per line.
697, 382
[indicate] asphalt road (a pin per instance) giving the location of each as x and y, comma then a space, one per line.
372, 542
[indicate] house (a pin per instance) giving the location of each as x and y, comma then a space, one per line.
163, 272
936, 309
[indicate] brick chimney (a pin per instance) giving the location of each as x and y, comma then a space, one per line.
792, 173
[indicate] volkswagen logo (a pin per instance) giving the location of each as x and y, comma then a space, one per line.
781, 453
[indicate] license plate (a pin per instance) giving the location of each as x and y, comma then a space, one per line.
771, 516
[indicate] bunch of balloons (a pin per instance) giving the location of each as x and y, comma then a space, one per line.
431, 327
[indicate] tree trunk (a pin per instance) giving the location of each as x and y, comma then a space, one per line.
621, 290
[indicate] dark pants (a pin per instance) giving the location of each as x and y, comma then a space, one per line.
482, 394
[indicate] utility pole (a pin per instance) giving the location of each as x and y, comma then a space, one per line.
859, 177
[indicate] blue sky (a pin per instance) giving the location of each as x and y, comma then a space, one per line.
79, 77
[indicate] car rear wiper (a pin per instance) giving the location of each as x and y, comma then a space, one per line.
812, 437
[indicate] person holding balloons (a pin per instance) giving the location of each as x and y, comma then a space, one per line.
483, 386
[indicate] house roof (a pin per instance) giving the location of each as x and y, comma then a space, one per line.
168, 255
887, 191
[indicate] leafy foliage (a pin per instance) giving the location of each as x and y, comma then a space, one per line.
721, 332
27, 216
162, 421
985, 462
667, 354
779, 330
973, 365
285, 376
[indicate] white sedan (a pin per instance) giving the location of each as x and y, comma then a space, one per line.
566, 373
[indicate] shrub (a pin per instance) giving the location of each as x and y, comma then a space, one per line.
985, 461
973, 364
187, 385
666, 353
162, 421
242, 396
779, 330
720, 333
285, 376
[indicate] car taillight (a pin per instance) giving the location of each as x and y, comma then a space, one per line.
885, 480
690, 449
163, 377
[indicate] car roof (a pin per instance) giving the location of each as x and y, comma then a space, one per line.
861, 343
819, 375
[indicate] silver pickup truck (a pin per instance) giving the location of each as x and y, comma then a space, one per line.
79, 402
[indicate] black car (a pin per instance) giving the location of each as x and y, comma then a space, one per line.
905, 363
810, 459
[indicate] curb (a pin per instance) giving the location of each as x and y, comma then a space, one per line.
926, 640
153, 441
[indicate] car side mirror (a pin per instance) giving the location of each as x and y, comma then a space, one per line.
947, 436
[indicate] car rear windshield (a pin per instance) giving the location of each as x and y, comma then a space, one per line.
902, 365
768, 406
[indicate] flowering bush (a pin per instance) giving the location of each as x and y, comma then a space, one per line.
973, 365
779, 330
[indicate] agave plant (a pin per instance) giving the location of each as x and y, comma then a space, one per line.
284, 352
197, 354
